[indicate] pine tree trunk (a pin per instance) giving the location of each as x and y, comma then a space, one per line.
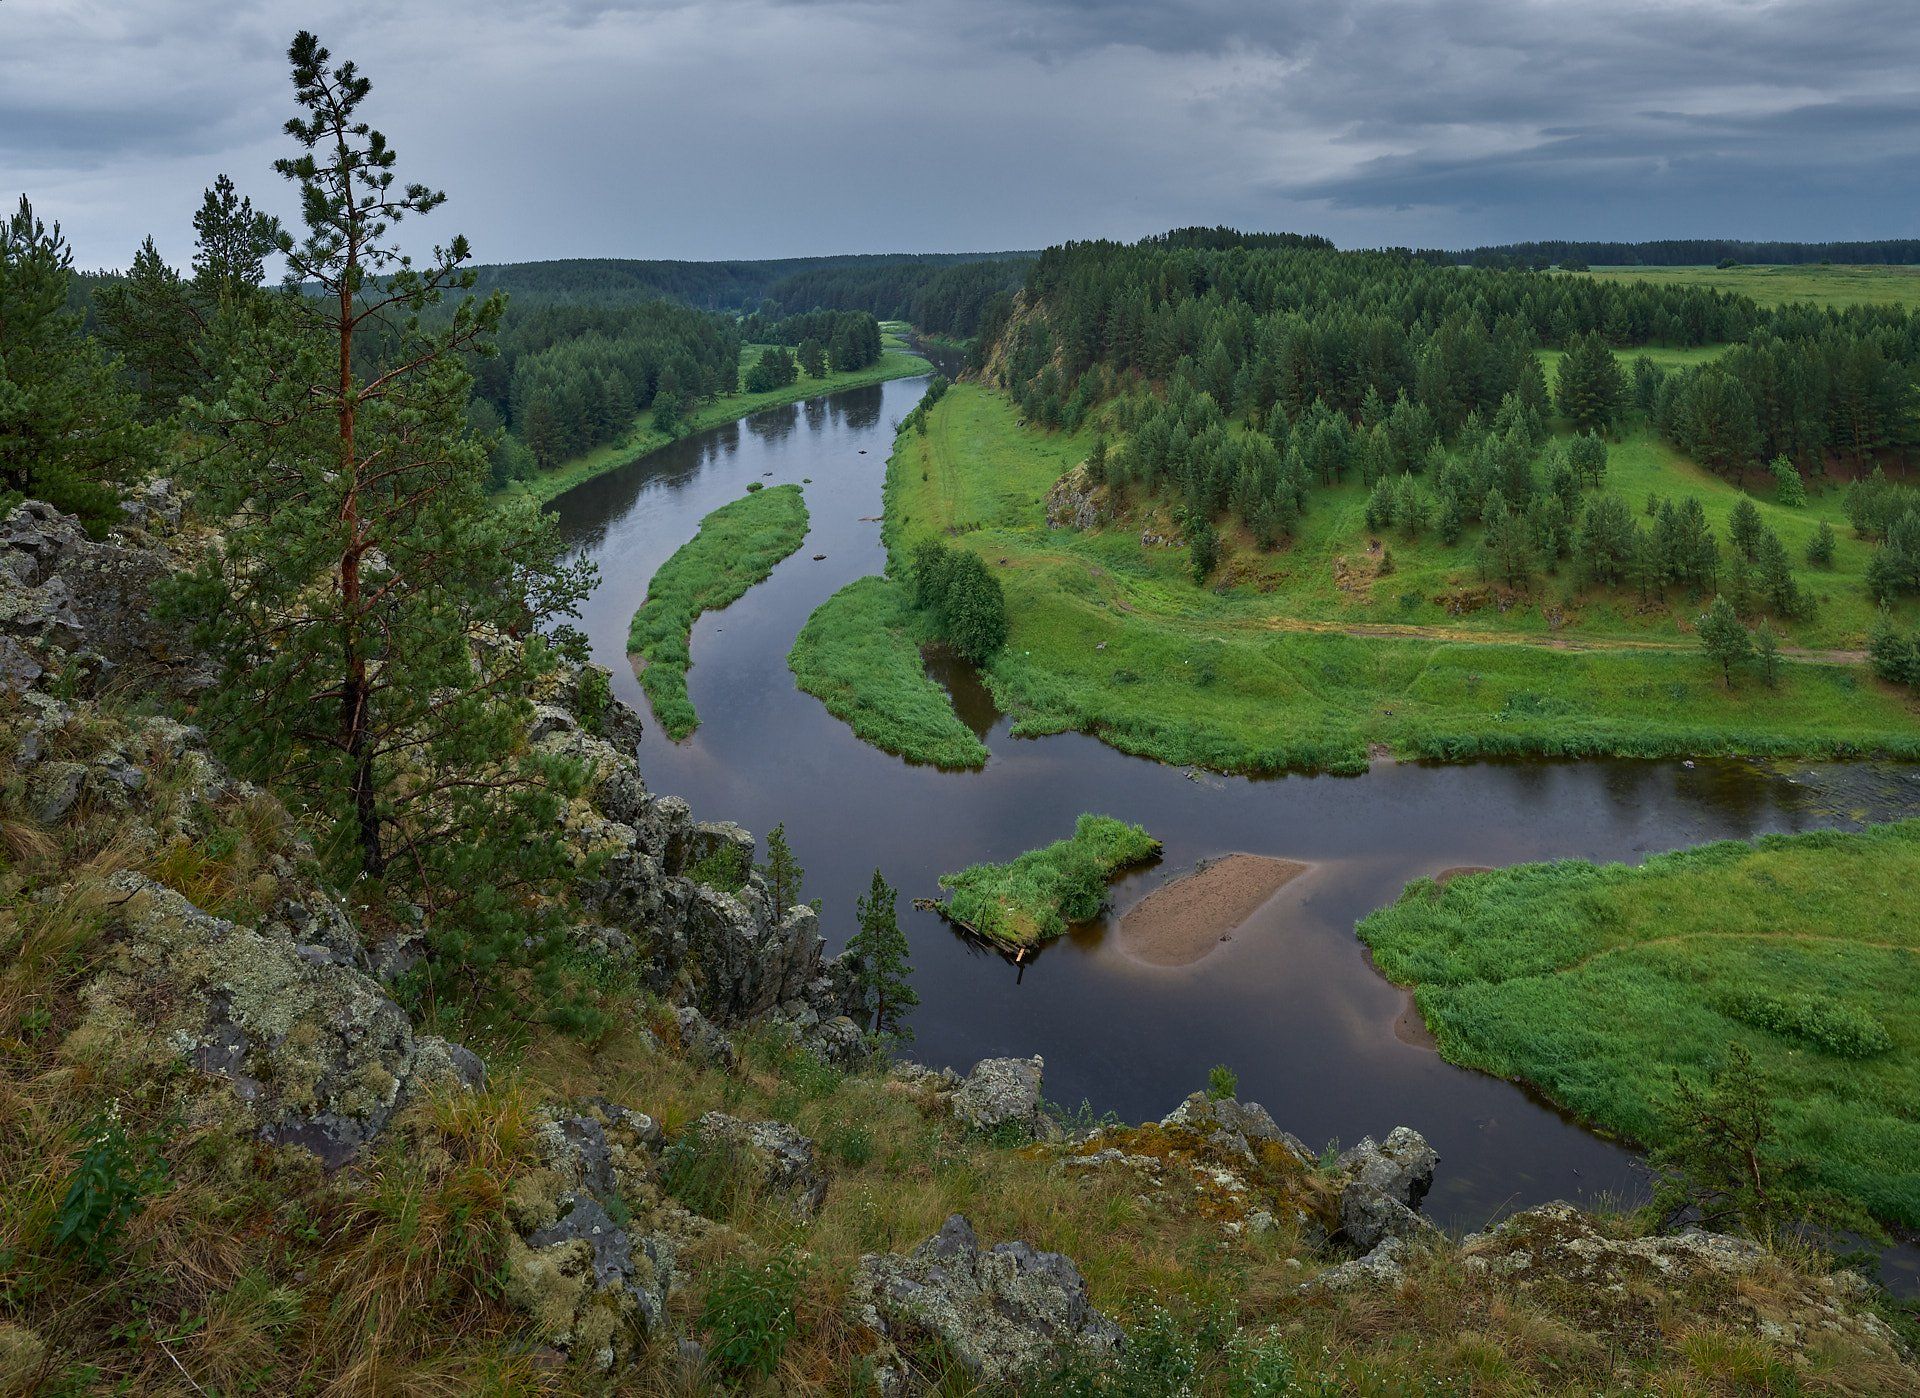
354, 693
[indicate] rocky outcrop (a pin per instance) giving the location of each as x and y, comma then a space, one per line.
1003, 1094
594, 1283
1077, 501
1003, 1313
1382, 1186
313, 1053
1234, 1126
783, 1163
1621, 1288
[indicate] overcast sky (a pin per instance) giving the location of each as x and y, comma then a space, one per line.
757, 128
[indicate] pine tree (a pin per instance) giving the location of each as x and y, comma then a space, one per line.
1591, 385
68, 426
1766, 654
882, 975
1788, 488
379, 620
781, 871
1743, 528
1725, 639
1820, 547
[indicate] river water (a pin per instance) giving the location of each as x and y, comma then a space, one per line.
1290, 1002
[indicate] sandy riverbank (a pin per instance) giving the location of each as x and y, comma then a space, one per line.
1182, 921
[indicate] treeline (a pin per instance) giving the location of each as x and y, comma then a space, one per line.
1424, 384
736, 286
940, 299
1679, 252
569, 377
848, 340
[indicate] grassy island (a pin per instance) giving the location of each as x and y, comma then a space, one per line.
1032, 899
859, 654
1596, 984
737, 546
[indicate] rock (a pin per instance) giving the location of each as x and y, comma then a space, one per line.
1076, 502
591, 1288
702, 1039
1234, 1125
1384, 1184
787, 1162
1003, 1093
1620, 1289
1383, 1267
313, 1054
55, 790
1002, 1313
153, 507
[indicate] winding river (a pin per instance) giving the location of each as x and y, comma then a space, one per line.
1290, 1002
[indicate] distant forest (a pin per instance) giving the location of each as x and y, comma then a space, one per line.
1681, 252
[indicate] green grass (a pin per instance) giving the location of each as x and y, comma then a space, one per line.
1597, 983
737, 546
859, 655
1831, 285
896, 362
1033, 898
1286, 668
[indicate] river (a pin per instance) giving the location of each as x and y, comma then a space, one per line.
1290, 1003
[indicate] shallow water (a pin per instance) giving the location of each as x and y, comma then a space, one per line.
1290, 1002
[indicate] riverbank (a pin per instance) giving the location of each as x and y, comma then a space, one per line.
736, 548
1262, 673
1596, 984
896, 362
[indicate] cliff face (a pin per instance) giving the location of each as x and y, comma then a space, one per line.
722, 1182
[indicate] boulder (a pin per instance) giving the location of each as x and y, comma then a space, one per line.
1235, 1126
786, 1161
313, 1053
1003, 1094
702, 1039
1383, 1185
1003, 1313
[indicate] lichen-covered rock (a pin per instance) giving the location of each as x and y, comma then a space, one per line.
60, 590
313, 1053
1384, 1183
1076, 502
1234, 1125
1383, 1268
1003, 1094
788, 1164
702, 1039
1003, 1312
1622, 1288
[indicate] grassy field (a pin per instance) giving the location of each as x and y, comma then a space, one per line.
737, 546
896, 362
1828, 285
1595, 984
1312, 656
859, 655
1033, 898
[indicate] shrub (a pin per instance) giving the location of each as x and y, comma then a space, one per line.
1819, 1020
725, 868
108, 1187
750, 1315
1222, 1082
592, 695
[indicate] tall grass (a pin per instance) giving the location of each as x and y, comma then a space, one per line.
1033, 898
737, 546
1598, 983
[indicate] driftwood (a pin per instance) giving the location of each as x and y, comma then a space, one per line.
1016, 952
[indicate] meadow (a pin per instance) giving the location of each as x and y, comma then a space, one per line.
896, 362
737, 547
1596, 984
1829, 284
1033, 898
1316, 657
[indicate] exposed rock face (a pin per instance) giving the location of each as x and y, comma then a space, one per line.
788, 1164
595, 1287
1621, 1287
1384, 1184
1076, 502
314, 1051
1003, 1093
1003, 1312
63, 593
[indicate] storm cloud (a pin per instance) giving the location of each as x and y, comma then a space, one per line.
752, 128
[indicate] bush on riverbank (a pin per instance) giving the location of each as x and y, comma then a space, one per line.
1597, 983
737, 546
1033, 898
858, 654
